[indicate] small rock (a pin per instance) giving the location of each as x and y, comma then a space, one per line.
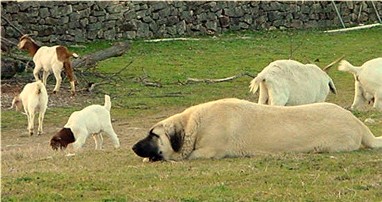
369, 121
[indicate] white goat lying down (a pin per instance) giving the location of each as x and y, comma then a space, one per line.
367, 82
288, 82
34, 99
55, 58
92, 120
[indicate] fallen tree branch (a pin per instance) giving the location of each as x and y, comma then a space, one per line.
196, 80
12, 25
91, 60
109, 79
145, 82
123, 69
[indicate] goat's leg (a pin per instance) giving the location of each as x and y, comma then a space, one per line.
110, 131
73, 87
359, 99
57, 74
263, 94
378, 100
31, 123
45, 75
80, 140
40, 122
70, 74
36, 70
277, 98
98, 139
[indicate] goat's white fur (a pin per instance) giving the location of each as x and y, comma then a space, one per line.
288, 82
92, 120
34, 99
367, 82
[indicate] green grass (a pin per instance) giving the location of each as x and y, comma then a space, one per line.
31, 171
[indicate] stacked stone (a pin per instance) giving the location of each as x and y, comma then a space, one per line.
61, 22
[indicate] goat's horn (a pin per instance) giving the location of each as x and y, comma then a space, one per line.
327, 68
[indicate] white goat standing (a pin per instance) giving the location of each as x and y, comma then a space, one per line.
34, 99
55, 58
367, 82
288, 82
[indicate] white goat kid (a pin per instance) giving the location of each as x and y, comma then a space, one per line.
367, 82
288, 82
34, 99
50, 59
92, 120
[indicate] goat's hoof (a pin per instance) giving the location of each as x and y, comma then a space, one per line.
30, 133
54, 92
39, 133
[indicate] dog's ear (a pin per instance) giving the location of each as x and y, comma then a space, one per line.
176, 137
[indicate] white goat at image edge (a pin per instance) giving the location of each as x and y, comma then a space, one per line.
367, 82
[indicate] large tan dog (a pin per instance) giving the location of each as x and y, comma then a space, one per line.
237, 128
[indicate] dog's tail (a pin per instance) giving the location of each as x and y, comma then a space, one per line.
345, 66
369, 140
107, 102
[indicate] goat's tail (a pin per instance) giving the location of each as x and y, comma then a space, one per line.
63, 53
40, 87
332, 87
75, 55
254, 85
107, 102
345, 66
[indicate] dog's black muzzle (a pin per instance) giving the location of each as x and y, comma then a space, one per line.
147, 148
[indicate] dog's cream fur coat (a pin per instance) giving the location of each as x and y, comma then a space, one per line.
234, 128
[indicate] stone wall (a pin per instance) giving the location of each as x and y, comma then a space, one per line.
69, 22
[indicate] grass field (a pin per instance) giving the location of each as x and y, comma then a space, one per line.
31, 171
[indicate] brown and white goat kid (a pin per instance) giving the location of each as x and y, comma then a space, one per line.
34, 99
50, 59
92, 120
367, 82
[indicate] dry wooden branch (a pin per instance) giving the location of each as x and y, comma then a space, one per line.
195, 80
12, 25
91, 60
327, 67
144, 80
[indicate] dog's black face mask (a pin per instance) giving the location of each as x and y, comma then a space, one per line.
148, 148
